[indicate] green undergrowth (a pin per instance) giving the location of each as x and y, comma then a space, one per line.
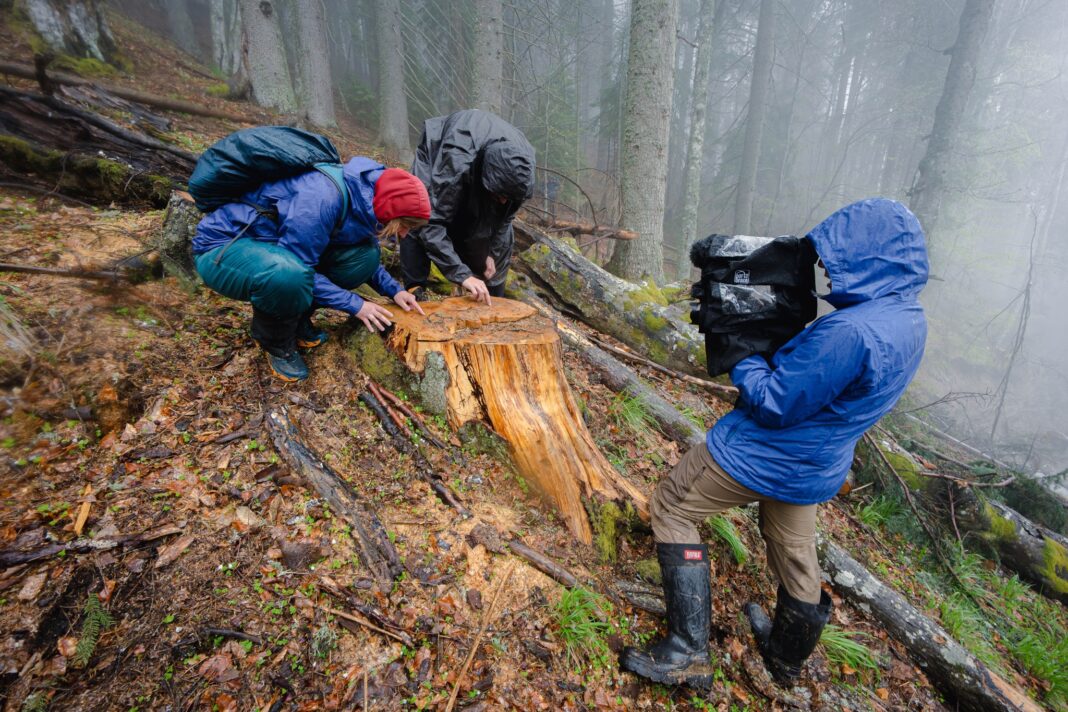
724, 530
844, 647
583, 622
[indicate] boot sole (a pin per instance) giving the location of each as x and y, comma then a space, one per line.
688, 676
310, 344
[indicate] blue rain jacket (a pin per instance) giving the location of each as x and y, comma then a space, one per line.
309, 206
792, 434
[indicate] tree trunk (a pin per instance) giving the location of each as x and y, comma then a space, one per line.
647, 121
488, 64
638, 316
226, 33
696, 152
951, 668
754, 123
392, 96
181, 26
74, 27
504, 367
928, 191
315, 64
265, 56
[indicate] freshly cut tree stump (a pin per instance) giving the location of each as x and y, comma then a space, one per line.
504, 366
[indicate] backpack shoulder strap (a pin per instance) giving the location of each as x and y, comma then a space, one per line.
335, 172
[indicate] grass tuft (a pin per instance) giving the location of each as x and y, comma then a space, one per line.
725, 530
844, 647
879, 511
582, 618
628, 412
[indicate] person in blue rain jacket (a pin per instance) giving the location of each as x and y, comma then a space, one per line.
310, 256
789, 442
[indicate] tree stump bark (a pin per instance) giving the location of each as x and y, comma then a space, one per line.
504, 367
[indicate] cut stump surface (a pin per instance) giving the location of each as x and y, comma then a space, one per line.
505, 368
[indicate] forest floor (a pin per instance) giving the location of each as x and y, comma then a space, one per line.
138, 410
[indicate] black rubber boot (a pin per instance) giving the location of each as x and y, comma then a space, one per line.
309, 336
681, 658
787, 642
278, 337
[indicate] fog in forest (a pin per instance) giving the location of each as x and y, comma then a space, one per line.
781, 111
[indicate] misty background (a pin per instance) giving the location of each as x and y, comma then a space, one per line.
679, 118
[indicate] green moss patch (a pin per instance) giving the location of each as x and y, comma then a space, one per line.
1055, 566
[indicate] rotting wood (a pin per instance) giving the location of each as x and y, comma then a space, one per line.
375, 549
543, 563
504, 368
419, 423
24, 71
951, 668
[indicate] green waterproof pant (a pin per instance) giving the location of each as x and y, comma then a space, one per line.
275, 281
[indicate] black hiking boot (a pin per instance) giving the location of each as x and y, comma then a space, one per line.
787, 642
277, 336
681, 658
309, 336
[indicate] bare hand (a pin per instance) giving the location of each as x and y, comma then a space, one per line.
491, 268
374, 317
407, 301
477, 290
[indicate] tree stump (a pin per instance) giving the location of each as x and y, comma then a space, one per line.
505, 368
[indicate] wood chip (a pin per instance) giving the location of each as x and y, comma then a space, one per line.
32, 587
83, 512
172, 551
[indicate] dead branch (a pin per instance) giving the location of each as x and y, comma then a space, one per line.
543, 563
365, 623
420, 424
375, 549
56, 272
83, 546
717, 389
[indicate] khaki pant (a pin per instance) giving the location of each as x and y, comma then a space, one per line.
698, 488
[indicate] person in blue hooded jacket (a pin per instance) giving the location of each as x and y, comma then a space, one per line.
310, 256
788, 444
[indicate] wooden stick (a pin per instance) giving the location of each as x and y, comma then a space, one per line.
965, 482
487, 617
55, 272
83, 511
716, 388
416, 418
397, 420
543, 563
364, 623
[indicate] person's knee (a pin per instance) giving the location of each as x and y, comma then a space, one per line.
284, 288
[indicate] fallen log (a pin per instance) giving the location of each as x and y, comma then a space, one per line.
638, 315
373, 546
81, 154
589, 228
1036, 553
84, 546
947, 664
501, 365
25, 71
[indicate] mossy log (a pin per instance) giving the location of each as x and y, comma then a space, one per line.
638, 315
84, 155
501, 365
1035, 553
950, 667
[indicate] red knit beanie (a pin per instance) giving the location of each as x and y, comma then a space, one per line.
399, 194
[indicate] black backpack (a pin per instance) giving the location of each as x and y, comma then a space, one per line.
754, 295
248, 158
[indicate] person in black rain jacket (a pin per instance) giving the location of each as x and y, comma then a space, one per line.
478, 169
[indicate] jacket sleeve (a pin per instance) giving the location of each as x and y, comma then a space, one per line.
383, 283
447, 179
501, 242
311, 211
827, 358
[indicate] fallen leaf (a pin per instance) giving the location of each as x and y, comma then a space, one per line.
218, 668
741, 694
882, 693
172, 551
107, 590
32, 587
67, 645
248, 519
225, 703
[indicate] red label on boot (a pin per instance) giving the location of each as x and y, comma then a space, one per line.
691, 554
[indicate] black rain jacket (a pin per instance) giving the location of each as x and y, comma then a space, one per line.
464, 159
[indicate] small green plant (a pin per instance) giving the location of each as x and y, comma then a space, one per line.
96, 619
878, 511
726, 531
36, 702
582, 618
629, 412
845, 648
323, 641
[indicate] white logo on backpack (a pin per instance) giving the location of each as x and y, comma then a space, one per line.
741, 276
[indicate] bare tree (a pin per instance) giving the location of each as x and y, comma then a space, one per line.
265, 56
315, 64
392, 97
754, 123
74, 27
486, 72
646, 123
696, 152
929, 188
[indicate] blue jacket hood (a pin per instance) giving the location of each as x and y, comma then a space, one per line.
872, 248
